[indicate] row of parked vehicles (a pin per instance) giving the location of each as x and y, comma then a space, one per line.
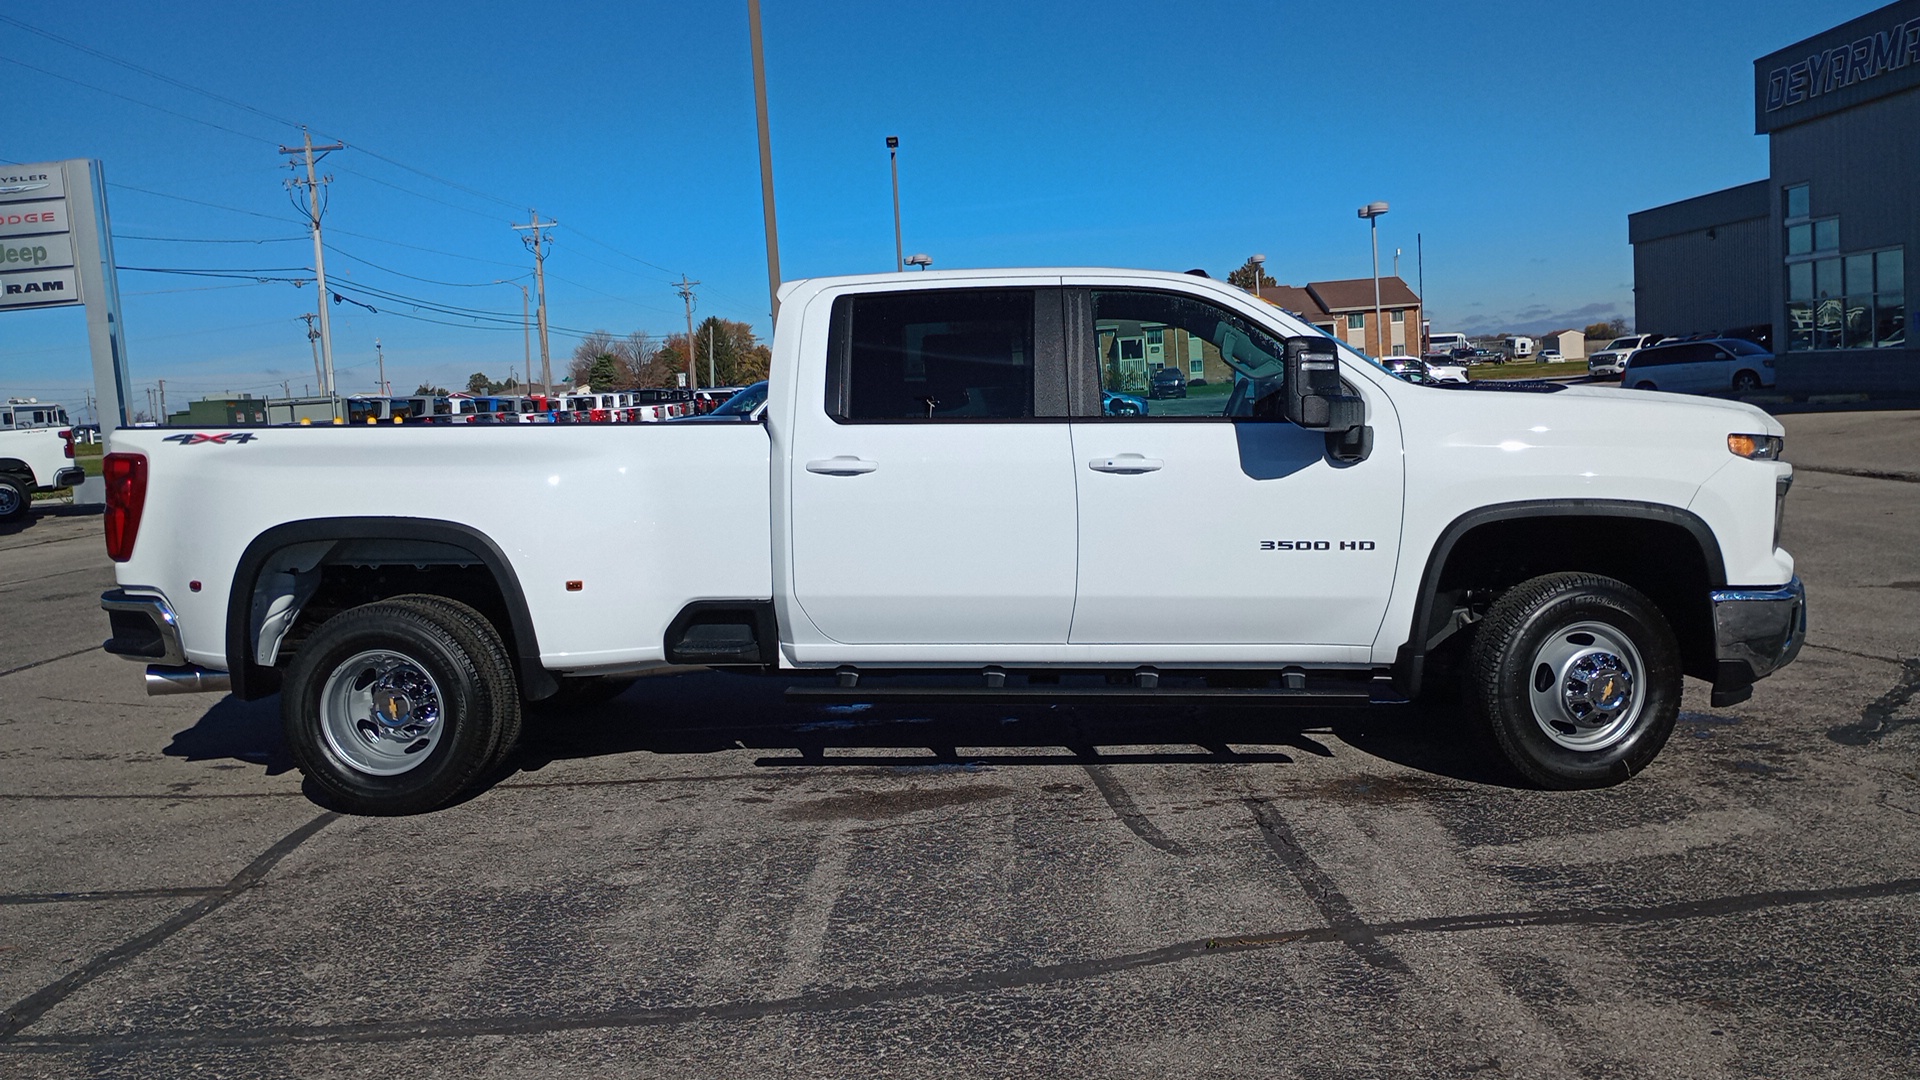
615, 407
1704, 364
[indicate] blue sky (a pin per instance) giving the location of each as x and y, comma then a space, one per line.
1514, 137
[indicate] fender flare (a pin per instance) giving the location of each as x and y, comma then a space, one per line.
1409, 664
251, 680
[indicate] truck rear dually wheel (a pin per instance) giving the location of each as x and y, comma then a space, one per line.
1576, 679
14, 500
395, 707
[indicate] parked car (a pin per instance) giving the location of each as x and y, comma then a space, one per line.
744, 405
1716, 366
1547, 356
1431, 369
1167, 382
1114, 404
1612, 360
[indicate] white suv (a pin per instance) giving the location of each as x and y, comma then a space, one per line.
1612, 360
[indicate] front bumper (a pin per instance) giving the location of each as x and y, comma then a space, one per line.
1756, 632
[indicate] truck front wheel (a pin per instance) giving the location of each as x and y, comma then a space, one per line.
395, 707
1576, 679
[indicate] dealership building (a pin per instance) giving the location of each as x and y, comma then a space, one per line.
1812, 259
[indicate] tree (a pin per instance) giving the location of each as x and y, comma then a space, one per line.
478, 383
1613, 328
604, 373
1243, 277
428, 390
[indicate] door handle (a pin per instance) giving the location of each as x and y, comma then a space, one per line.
1125, 464
844, 465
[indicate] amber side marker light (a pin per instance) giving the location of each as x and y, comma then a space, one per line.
1757, 447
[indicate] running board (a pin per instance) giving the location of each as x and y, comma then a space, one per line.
1067, 695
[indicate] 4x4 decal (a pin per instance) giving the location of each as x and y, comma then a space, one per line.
223, 438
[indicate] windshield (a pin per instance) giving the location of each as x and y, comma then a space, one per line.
1623, 343
744, 402
1742, 347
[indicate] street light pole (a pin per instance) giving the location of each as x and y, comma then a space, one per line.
766, 167
526, 321
893, 158
1259, 269
1372, 212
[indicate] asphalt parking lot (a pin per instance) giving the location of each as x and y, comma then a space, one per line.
699, 880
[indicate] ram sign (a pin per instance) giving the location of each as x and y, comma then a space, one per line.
37, 266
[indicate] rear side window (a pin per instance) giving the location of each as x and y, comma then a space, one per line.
1666, 354
932, 355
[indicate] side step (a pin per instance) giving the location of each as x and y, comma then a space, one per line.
1079, 695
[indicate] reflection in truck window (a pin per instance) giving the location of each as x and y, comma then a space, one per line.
1146, 341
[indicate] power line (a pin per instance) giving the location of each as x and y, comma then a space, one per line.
398, 273
416, 247
495, 218
135, 100
149, 72
196, 202
197, 240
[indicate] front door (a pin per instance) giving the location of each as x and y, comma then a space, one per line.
929, 505
1198, 527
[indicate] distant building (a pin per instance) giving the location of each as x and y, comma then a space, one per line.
1571, 343
1817, 251
1345, 310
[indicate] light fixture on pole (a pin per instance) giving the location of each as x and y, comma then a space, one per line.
1372, 212
1259, 268
893, 158
920, 259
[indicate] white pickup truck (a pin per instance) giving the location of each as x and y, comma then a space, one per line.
33, 459
933, 487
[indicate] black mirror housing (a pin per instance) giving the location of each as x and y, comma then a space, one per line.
1314, 394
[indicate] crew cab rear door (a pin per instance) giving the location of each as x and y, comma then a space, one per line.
932, 500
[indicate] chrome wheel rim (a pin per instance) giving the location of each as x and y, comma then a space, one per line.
1587, 686
381, 712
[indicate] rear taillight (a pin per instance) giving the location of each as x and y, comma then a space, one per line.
126, 479
68, 435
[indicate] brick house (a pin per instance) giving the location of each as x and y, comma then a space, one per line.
1345, 310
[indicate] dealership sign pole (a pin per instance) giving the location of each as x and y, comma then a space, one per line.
56, 250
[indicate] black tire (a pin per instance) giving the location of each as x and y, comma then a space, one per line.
481, 638
14, 499
403, 656
1745, 382
581, 693
1538, 659
1644, 385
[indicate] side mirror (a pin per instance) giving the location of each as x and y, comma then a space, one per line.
1316, 400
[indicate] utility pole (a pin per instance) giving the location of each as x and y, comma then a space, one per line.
537, 243
381, 359
312, 184
712, 379
163, 402
1420, 264
766, 162
526, 323
686, 293
313, 339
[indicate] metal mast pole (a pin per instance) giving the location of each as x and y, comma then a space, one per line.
712, 379
537, 243
766, 163
381, 358
319, 250
893, 157
1379, 332
1420, 264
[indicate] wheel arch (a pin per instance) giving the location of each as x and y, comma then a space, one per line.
252, 679
1681, 586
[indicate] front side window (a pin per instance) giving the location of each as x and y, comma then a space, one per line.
1230, 362
933, 355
